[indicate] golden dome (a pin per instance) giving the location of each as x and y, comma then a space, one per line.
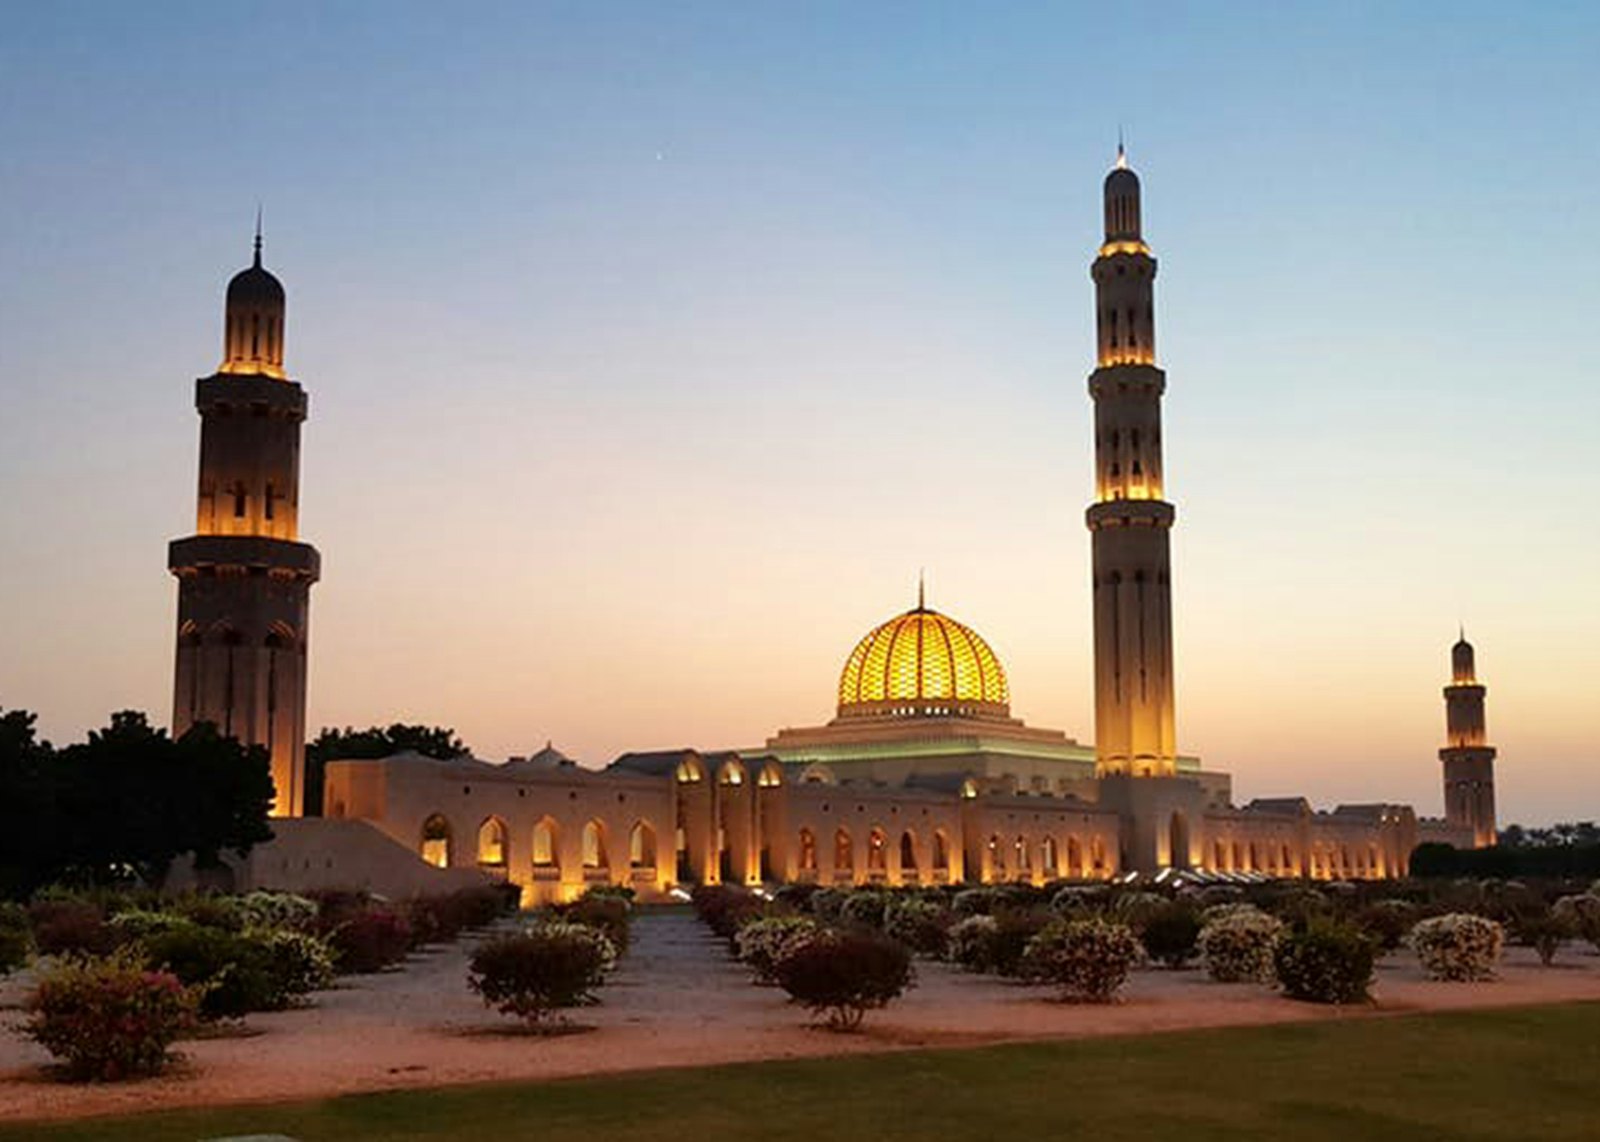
923, 663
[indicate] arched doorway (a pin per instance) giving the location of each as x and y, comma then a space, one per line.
1178, 840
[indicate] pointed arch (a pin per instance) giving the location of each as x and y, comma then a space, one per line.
493, 843
434, 846
642, 846
546, 848
595, 857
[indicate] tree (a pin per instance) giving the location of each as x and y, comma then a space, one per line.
125, 803
372, 743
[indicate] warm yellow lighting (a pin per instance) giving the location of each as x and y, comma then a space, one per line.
920, 656
1124, 246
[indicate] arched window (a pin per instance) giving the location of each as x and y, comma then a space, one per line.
808, 851
546, 852
941, 852
594, 846
877, 851
997, 857
436, 841
1019, 851
642, 846
1074, 857
908, 853
492, 843
1097, 854
843, 851
1048, 863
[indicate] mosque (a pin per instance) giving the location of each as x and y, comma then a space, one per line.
923, 777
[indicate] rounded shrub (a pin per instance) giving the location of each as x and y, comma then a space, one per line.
110, 1018
537, 973
606, 913
64, 926
1325, 962
864, 909
1544, 930
840, 975
1089, 960
233, 974
921, 925
369, 940
16, 937
1171, 935
1136, 908
1582, 913
970, 943
761, 944
1386, 922
263, 909
1458, 946
1237, 943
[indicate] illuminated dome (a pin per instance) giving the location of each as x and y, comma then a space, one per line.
923, 664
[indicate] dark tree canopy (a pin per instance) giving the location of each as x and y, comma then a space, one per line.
371, 743
125, 803
1555, 860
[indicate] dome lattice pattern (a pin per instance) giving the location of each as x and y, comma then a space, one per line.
923, 663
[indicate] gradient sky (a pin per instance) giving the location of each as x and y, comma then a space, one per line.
653, 348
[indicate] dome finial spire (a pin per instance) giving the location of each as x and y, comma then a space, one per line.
922, 588
1122, 152
257, 262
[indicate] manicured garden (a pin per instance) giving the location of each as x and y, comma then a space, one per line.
1509, 1074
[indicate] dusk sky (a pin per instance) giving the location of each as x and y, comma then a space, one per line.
652, 349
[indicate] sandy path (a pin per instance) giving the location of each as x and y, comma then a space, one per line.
677, 1001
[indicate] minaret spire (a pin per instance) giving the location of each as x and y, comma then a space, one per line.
1130, 518
257, 262
922, 588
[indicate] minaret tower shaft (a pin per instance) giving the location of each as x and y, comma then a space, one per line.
244, 580
1468, 758
1129, 521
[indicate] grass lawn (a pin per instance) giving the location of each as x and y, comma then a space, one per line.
1525, 1073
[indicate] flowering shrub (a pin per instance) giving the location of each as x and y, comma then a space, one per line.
1387, 922
921, 925
1458, 946
1325, 963
208, 909
605, 913
440, 919
724, 909
762, 943
537, 972
15, 937
1088, 959
1237, 943
298, 963
231, 973
369, 940
975, 901
1544, 930
826, 903
842, 974
62, 926
262, 909
137, 924
864, 909
109, 1018
1078, 898
970, 942
1171, 934
1582, 913
1136, 908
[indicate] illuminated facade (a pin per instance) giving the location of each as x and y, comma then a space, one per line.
244, 579
923, 776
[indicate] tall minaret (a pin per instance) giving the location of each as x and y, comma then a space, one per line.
1134, 731
244, 583
1468, 759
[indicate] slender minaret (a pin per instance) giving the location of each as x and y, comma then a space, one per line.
244, 583
1129, 521
1468, 758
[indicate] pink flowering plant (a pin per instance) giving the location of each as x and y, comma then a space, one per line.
109, 1019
